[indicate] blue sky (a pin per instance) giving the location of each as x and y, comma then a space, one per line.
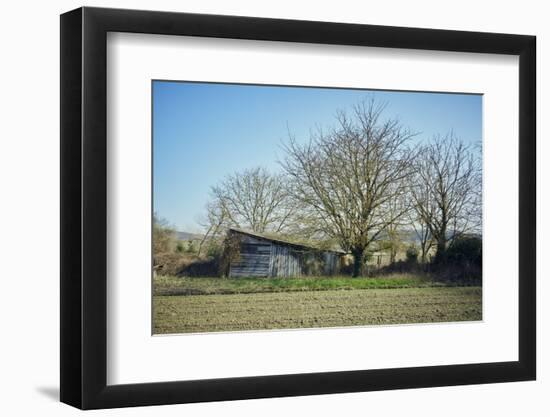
204, 131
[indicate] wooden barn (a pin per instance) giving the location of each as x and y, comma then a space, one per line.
255, 255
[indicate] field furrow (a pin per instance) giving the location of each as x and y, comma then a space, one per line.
307, 309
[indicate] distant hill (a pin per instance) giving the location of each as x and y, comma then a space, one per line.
406, 235
188, 236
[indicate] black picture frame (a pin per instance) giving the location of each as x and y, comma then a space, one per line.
84, 207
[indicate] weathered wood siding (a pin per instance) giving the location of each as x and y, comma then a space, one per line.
264, 258
332, 263
253, 259
285, 261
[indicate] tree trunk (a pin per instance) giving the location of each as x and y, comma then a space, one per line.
441, 250
440, 253
393, 255
441, 241
423, 254
358, 258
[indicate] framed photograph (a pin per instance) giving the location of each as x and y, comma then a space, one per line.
257, 208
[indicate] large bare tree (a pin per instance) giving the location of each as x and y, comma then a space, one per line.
447, 190
252, 199
348, 177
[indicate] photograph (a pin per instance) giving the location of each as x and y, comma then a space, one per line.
279, 207
290, 207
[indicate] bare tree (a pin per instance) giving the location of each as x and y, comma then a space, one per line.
447, 191
165, 258
417, 217
213, 223
396, 219
348, 177
252, 199
163, 238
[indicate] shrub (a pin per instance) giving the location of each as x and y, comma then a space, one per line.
463, 261
168, 263
465, 249
412, 254
313, 263
214, 249
191, 247
199, 267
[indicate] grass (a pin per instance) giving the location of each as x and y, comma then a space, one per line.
306, 309
209, 286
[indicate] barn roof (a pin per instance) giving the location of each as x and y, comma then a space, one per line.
282, 241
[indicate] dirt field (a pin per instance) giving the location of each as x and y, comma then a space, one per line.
306, 309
